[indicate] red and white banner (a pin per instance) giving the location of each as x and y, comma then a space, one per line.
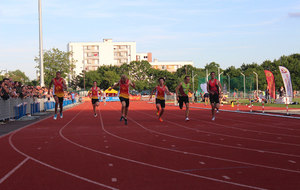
271, 83
286, 77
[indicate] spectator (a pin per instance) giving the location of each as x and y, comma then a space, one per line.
281, 91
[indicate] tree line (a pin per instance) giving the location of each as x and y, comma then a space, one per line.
146, 77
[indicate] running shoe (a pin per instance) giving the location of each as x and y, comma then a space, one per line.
217, 111
160, 119
61, 115
121, 118
125, 119
55, 116
187, 119
95, 115
213, 118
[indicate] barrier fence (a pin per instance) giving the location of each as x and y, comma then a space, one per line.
15, 108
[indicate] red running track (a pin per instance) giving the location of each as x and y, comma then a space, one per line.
237, 151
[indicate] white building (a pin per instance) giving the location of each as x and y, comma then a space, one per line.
90, 55
144, 57
170, 66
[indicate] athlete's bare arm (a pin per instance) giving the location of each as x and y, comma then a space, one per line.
114, 86
152, 93
176, 90
132, 84
64, 84
50, 86
167, 91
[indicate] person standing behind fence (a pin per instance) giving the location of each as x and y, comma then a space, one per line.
214, 87
59, 85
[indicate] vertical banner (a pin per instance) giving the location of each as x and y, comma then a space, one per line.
271, 83
286, 77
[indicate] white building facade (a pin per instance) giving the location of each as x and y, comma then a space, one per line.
91, 55
170, 66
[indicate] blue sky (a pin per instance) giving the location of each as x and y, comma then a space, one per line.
229, 32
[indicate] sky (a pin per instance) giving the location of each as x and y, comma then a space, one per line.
228, 32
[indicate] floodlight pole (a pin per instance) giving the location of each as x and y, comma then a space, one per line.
193, 76
244, 85
256, 83
228, 83
41, 46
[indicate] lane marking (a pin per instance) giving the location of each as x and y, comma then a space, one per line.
226, 177
110, 165
292, 161
13, 170
203, 163
54, 168
114, 179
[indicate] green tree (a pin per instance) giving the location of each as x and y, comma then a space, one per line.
56, 60
18, 75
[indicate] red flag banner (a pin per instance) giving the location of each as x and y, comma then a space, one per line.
271, 83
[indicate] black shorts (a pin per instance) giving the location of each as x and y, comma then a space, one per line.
94, 101
60, 99
182, 99
206, 95
161, 102
126, 100
214, 98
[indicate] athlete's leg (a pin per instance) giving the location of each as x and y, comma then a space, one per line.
123, 109
56, 103
187, 111
94, 108
157, 108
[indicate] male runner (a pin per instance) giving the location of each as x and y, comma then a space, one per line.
94, 94
124, 84
214, 87
161, 90
184, 88
59, 85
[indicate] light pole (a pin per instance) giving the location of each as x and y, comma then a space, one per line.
41, 46
244, 85
228, 84
256, 83
193, 76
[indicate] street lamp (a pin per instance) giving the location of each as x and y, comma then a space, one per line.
228, 84
244, 85
256, 83
193, 76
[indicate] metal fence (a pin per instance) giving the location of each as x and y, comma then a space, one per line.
15, 108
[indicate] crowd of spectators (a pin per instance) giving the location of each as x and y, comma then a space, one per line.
14, 89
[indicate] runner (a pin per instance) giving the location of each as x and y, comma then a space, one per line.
214, 87
161, 90
184, 89
59, 85
124, 84
94, 94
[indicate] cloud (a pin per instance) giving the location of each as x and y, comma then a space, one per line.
294, 15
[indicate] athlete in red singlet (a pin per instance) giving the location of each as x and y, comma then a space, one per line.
161, 91
95, 94
59, 85
124, 84
214, 87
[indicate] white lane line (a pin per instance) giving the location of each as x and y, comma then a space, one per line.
54, 168
13, 170
195, 154
226, 177
292, 161
114, 179
150, 165
203, 163
110, 165
215, 144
